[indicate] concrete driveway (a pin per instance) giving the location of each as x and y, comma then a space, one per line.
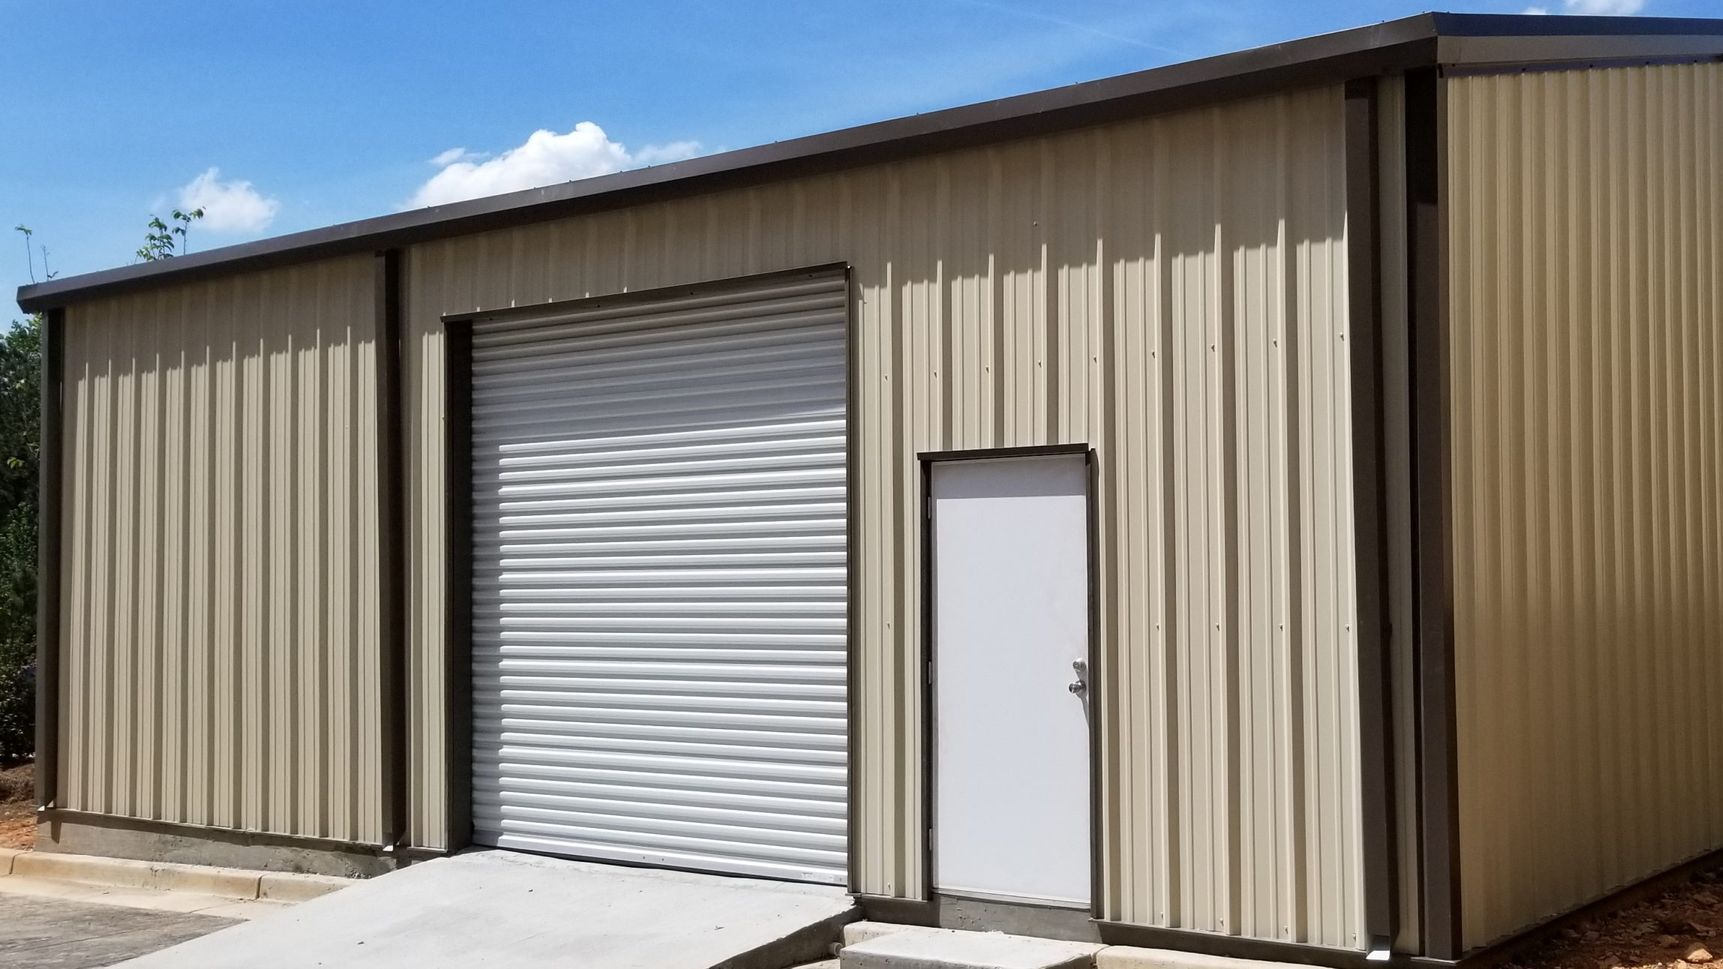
56, 933
503, 909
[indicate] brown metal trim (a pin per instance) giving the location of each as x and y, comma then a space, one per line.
205, 832
852, 579
899, 911
1426, 278
1230, 946
1002, 453
929, 670
1400, 45
1370, 514
49, 475
929, 658
1094, 700
637, 297
1571, 28
391, 550
1327, 58
458, 581
1589, 64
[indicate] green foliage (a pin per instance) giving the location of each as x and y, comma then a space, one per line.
20, 449
159, 241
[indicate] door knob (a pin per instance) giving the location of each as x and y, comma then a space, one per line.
1081, 684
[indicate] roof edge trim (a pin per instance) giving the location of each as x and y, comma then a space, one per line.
1423, 40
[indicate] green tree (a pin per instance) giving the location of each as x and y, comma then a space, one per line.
20, 448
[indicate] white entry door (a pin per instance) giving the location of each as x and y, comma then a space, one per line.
1010, 654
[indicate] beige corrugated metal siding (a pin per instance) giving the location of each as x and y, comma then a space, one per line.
219, 573
1169, 290
1586, 225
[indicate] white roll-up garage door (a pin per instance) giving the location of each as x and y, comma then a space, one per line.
659, 602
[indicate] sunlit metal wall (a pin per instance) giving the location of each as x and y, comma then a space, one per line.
219, 576
1586, 255
1169, 290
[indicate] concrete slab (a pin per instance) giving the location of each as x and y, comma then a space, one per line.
56, 933
954, 949
495, 908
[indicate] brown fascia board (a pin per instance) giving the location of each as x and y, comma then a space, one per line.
1423, 40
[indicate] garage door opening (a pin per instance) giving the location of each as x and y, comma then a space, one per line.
660, 588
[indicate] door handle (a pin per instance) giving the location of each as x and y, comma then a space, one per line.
1080, 685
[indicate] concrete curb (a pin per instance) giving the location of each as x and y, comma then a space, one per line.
235, 883
6, 857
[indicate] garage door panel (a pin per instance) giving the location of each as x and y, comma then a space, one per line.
660, 581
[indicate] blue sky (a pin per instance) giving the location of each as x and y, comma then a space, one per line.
315, 112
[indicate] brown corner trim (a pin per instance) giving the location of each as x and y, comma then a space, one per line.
391, 549
1433, 585
49, 476
458, 582
1370, 529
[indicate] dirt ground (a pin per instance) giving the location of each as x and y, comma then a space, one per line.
17, 807
1679, 929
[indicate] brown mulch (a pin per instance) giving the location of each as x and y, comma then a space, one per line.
18, 807
1682, 928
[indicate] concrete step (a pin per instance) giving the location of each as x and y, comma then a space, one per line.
953, 949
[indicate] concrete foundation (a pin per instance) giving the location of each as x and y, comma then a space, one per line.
925, 948
113, 837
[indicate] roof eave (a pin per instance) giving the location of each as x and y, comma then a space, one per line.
1424, 40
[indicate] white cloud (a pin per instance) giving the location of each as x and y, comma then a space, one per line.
454, 155
1595, 8
228, 206
663, 154
546, 158
1604, 8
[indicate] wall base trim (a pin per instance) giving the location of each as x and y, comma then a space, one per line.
113, 836
982, 915
1230, 946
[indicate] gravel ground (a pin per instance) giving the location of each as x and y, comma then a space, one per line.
1679, 929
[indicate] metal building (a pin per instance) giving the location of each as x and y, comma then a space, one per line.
1238, 507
